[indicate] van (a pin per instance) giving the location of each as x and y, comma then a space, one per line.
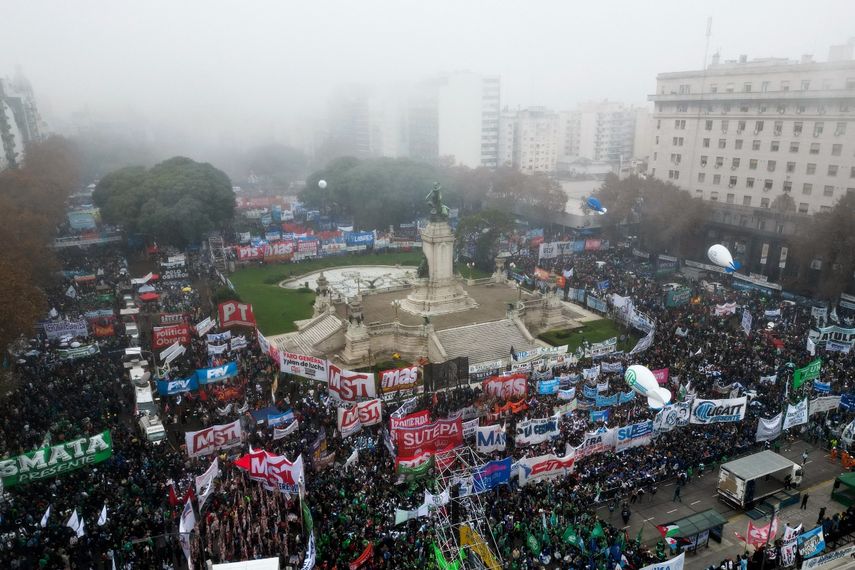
152, 429
144, 400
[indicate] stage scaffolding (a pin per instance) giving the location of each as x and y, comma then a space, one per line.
455, 467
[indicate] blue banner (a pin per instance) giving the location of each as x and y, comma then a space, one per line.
821, 386
847, 402
218, 374
279, 419
603, 285
627, 397
599, 415
579, 246
359, 238
547, 386
607, 401
589, 391
177, 386
491, 474
811, 542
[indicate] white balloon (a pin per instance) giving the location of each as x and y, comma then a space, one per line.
720, 255
322, 184
643, 382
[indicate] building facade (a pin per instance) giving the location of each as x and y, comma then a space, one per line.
20, 122
749, 133
599, 132
536, 141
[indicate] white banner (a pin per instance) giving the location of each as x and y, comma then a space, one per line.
768, 430
718, 411
530, 432
305, 366
672, 416
634, 435
725, 309
205, 482
347, 386
292, 428
351, 420
823, 404
796, 415
830, 560
211, 439
470, 427
676, 563
544, 467
747, 321
597, 442
490, 438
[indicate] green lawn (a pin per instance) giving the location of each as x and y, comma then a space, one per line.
276, 308
594, 331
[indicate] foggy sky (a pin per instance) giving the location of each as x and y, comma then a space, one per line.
256, 71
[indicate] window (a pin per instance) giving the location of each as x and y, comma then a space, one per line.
807, 189
746, 200
716, 179
744, 109
825, 209
719, 161
685, 89
713, 88
852, 172
758, 127
704, 160
740, 126
680, 124
731, 198
774, 146
788, 186
674, 141
764, 202
770, 166
722, 143
767, 185
832, 169
828, 191
814, 148
734, 163
657, 140
702, 176
840, 129
755, 145
682, 108
714, 196
708, 126
781, 109
674, 174
791, 167
725, 124
737, 144
836, 149
749, 183
706, 143
732, 182
655, 155
797, 128
752, 164
725, 108
818, 127
764, 86
811, 168
658, 124
779, 127
746, 87
794, 147
785, 85
729, 88
803, 208
805, 84
800, 109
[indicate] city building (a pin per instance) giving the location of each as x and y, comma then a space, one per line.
455, 117
600, 132
751, 133
20, 122
536, 141
507, 132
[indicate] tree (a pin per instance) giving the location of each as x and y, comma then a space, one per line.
277, 164
538, 197
176, 202
669, 219
483, 230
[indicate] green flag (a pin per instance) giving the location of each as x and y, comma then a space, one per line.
532, 543
597, 531
809, 372
572, 538
442, 563
308, 523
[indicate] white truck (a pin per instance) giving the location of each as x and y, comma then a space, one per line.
747, 481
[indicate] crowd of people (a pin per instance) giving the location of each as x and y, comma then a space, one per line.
349, 506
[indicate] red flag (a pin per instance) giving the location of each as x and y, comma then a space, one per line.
189, 494
173, 500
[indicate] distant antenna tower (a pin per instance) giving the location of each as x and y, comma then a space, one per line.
707, 45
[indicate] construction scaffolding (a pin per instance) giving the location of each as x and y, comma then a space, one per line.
468, 531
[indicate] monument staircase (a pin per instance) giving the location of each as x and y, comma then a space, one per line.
484, 342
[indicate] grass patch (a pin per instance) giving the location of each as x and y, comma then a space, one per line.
594, 331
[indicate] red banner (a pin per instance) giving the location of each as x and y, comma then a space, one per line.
399, 379
279, 251
412, 420
661, 376
363, 558
235, 313
105, 330
167, 336
506, 387
352, 420
347, 386
437, 436
275, 471
249, 253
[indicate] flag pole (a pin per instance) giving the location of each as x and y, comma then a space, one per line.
768, 536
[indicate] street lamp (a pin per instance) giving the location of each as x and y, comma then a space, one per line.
470, 265
519, 284
322, 184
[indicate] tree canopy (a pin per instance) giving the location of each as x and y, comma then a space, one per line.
276, 164
669, 219
175, 202
483, 230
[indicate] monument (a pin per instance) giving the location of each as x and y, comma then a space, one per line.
441, 292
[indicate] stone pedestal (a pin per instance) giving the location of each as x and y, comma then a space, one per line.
441, 293
357, 344
552, 313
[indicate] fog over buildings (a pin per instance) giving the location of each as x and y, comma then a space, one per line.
204, 78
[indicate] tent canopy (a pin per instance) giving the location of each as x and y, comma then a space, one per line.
758, 465
699, 522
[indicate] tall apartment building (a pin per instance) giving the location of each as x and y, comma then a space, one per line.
507, 134
601, 132
456, 117
20, 122
745, 132
536, 140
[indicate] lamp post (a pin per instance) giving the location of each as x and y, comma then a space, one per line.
470, 265
519, 284
322, 185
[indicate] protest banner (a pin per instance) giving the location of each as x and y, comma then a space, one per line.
50, 461
211, 439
